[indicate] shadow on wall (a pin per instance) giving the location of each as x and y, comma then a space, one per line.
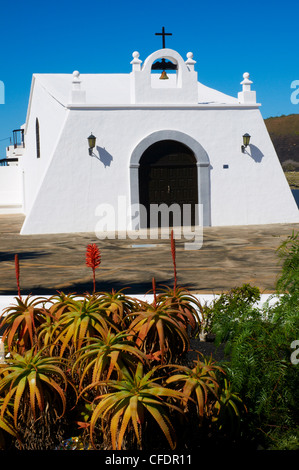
104, 156
255, 153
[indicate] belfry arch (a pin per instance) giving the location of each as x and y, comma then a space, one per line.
187, 146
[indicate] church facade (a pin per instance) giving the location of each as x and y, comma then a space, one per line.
162, 139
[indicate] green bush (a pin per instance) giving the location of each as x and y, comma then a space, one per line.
231, 309
258, 341
289, 254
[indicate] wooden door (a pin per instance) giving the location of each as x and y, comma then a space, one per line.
168, 177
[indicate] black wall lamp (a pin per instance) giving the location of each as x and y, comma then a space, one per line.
246, 140
91, 143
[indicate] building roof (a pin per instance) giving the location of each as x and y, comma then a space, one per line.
115, 89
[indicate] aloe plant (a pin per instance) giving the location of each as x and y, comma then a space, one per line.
106, 354
117, 305
158, 332
187, 305
228, 409
45, 332
82, 319
179, 298
131, 401
33, 380
20, 322
210, 397
199, 383
6, 426
60, 303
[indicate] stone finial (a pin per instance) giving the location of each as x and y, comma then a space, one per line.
76, 77
76, 80
190, 62
136, 62
78, 96
247, 95
246, 83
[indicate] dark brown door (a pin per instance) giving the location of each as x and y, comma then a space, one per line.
168, 175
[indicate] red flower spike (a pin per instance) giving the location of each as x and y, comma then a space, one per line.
173, 258
154, 291
93, 260
17, 269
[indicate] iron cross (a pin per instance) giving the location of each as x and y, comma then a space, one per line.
163, 34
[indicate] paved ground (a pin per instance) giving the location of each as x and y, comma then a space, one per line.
229, 257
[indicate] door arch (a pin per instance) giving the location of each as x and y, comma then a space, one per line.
202, 164
168, 175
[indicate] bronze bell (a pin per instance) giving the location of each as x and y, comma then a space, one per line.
163, 76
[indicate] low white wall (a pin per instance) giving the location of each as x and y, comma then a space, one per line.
8, 300
11, 190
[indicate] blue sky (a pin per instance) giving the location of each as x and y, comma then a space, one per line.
227, 39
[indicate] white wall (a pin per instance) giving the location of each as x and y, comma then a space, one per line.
11, 190
51, 115
253, 190
270, 299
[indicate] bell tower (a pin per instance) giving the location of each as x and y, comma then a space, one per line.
180, 87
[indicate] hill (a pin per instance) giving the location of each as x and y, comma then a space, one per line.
284, 133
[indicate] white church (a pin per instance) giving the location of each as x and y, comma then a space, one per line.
154, 136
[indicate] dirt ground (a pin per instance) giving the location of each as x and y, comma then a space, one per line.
229, 257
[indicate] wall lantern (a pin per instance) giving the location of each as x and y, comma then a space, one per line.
246, 140
91, 143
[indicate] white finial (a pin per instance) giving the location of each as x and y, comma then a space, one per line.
77, 95
190, 62
76, 76
136, 62
135, 54
246, 95
246, 82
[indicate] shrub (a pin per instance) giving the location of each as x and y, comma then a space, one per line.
289, 254
231, 308
262, 374
259, 344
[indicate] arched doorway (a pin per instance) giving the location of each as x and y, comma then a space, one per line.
203, 172
168, 176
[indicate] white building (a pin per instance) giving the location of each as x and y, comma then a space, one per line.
157, 141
